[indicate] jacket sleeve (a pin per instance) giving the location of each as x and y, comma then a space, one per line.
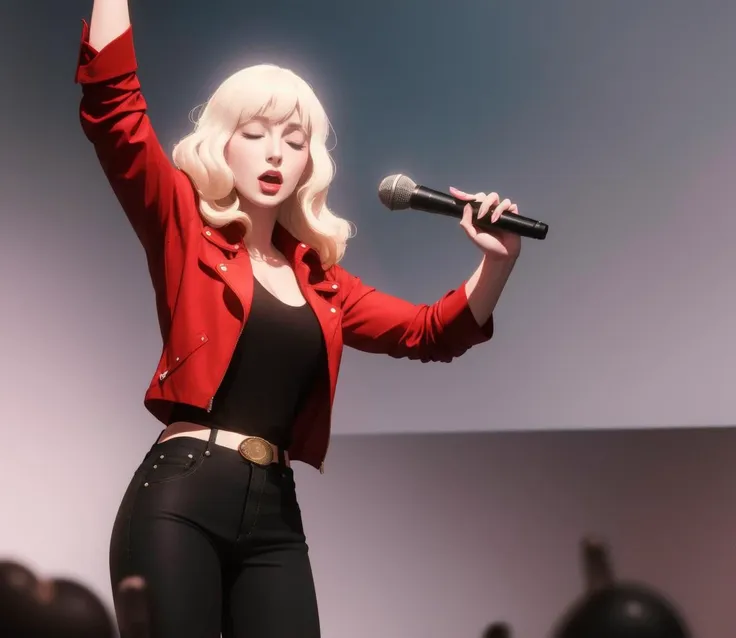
113, 113
379, 323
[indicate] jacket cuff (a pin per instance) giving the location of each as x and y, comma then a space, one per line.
115, 60
460, 324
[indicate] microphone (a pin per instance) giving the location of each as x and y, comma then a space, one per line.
399, 192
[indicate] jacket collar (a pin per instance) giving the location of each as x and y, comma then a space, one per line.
230, 238
294, 250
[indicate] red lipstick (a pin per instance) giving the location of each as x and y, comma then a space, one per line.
270, 182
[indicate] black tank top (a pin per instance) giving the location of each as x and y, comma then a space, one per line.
271, 372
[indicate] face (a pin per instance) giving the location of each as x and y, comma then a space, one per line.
268, 159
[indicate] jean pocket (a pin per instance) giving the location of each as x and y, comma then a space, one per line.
171, 461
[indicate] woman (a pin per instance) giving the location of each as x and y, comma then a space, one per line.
254, 310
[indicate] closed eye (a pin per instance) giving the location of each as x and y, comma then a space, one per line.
257, 136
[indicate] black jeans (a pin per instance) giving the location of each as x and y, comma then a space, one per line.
220, 543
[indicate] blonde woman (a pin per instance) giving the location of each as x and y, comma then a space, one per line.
254, 311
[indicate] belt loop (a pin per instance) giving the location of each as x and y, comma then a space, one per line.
158, 438
282, 456
210, 441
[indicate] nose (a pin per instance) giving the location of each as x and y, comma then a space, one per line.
274, 155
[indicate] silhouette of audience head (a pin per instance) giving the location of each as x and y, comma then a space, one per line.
616, 609
36, 608
497, 630
610, 608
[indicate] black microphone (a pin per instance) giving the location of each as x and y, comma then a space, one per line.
399, 192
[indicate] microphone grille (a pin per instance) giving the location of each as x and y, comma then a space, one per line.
395, 191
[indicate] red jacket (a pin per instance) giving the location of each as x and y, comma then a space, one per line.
202, 276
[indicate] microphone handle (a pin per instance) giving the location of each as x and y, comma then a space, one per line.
431, 201
510, 222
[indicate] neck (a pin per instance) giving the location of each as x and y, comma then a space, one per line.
260, 238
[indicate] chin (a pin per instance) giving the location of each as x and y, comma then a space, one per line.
265, 201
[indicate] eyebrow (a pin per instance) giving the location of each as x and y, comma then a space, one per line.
290, 128
293, 126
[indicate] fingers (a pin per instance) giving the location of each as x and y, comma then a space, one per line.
490, 202
467, 222
461, 194
501, 208
487, 203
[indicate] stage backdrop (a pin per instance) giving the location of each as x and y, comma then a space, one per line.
613, 122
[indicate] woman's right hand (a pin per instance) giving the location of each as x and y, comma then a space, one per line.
110, 19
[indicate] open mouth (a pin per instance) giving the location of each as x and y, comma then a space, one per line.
271, 177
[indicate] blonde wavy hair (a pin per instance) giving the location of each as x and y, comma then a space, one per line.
276, 93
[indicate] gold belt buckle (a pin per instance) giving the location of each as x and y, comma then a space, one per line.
257, 450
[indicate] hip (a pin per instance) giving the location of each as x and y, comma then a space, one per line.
211, 487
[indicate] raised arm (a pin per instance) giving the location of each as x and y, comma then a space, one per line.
110, 19
152, 192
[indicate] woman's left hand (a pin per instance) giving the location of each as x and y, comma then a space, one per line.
497, 244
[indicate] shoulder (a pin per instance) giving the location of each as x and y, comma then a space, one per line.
350, 287
340, 275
